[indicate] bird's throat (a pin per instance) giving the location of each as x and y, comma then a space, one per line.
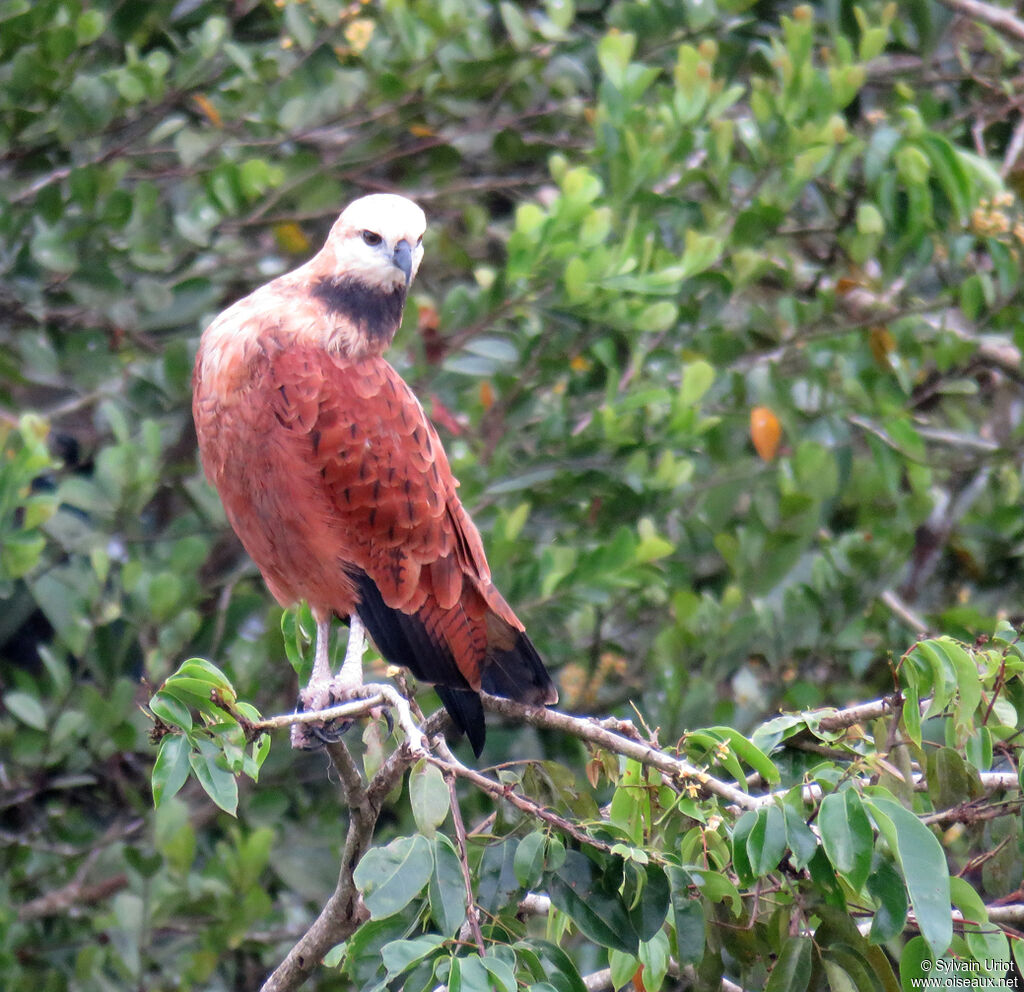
373, 313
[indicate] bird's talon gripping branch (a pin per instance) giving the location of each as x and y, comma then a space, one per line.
338, 485
413, 735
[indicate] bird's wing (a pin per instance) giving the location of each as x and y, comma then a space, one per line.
387, 489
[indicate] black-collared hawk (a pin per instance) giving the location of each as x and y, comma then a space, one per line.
336, 482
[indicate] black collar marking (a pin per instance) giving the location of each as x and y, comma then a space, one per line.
375, 312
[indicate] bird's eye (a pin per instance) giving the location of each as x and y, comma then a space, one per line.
372, 239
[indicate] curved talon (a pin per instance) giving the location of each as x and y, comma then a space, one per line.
331, 732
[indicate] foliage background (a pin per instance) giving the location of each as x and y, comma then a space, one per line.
648, 220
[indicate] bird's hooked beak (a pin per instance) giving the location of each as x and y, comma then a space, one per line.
402, 258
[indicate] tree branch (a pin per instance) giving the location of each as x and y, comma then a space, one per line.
592, 731
995, 17
344, 911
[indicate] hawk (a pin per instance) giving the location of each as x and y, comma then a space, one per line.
336, 482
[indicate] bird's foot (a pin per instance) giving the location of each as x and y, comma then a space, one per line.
414, 738
321, 696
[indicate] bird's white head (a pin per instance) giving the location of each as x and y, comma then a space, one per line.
378, 241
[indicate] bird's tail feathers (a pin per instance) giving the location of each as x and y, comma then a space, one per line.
518, 673
467, 713
403, 639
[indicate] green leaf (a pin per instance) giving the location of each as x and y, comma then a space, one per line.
658, 317
950, 780
912, 713
741, 858
577, 890
171, 710
561, 12
447, 890
800, 839
690, 925
218, 782
622, 968
886, 886
20, 553
199, 668
391, 877
400, 955
614, 51
502, 974
838, 979
766, 842
551, 962
924, 868
968, 683
654, 956
702, 251
170, 770
749, 753
473, 974
89, 26
26, 708
516, 25
912, 960
846, 836
429, 796
648, 912
697, 379
529, 859
792, 972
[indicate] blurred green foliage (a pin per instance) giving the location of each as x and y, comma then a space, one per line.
647, 221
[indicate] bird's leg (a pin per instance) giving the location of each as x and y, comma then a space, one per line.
321, 658
318, 693
323, 691
351, 674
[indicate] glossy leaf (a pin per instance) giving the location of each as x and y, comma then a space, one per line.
447, 888
792, 972
577, 890
923, 865
429, 796
391, 877
846, 835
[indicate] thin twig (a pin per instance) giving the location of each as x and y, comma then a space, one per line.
507, 794
905, 612
357, 707
472, 915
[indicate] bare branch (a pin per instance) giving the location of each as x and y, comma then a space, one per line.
75, 893
507, 794
589, 730
995, 17
343, 711
905, 612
